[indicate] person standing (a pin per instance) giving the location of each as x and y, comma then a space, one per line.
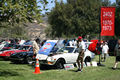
70, 43
81, 50
65, 42
117, 54
74, 42
38, 42
105, 50
35, 47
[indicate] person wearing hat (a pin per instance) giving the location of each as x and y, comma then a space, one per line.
105, 50
117, 54
81, 50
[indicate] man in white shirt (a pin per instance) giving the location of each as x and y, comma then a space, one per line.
81, 50
105, 50
74, 42
70, 43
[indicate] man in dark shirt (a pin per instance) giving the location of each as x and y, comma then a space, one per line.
117, 54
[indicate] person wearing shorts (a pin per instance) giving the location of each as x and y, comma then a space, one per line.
81, 50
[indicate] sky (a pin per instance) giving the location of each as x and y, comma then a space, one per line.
51, 5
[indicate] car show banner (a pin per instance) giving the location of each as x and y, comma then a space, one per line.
107, 21
47, 47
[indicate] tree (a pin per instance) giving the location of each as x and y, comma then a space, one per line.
74, 18
106, 3
118, 2
117, 20
14, 13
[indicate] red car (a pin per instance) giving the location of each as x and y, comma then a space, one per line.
6, 54
15, 46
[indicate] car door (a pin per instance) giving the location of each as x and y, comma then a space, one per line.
74, 56
71, 57
68, 57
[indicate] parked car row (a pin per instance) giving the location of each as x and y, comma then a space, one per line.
59, 55
17, 53
7, 53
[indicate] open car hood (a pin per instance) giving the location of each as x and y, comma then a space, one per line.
47, 47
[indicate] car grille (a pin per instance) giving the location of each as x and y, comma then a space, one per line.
43, 61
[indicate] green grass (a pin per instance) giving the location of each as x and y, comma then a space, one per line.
10, 71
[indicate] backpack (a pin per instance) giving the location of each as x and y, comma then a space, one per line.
92, 46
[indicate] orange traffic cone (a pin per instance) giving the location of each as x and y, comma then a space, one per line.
37, 68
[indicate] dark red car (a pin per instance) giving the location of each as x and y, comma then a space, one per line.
6, 54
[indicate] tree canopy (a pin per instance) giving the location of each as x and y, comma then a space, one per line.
74, 18
77, 17
117, 19
15, 13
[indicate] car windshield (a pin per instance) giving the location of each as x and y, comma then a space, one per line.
66, 49
16, 46
9, 45
54, 50
24, 48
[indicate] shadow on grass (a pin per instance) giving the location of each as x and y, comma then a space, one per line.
7, 73
42, 67
47, 67
72, 70
115, 69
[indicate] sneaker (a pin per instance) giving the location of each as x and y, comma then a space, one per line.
113, 68
79, 70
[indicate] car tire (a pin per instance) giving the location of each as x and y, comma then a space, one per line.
60, 64
29, 60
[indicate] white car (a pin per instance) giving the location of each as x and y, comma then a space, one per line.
66, 55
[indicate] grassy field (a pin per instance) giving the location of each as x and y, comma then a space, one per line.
10, 71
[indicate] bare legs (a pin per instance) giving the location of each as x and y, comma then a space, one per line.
80, 60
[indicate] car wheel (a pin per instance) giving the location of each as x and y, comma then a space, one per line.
60, 64
29, 60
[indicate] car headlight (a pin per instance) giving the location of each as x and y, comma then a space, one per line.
51, 59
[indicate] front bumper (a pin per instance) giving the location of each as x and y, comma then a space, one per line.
45, 62
16, 59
